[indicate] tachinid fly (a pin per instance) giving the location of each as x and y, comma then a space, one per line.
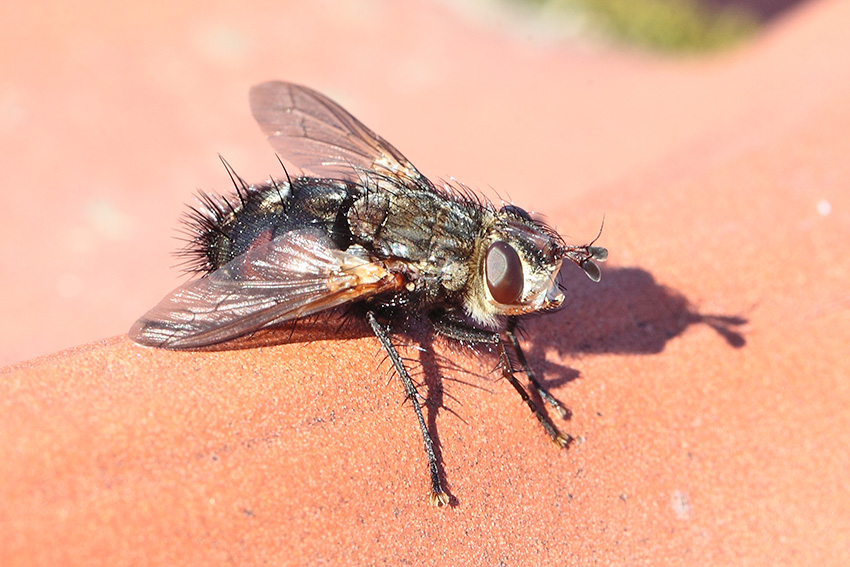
361, 228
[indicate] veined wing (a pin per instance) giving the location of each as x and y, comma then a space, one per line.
318, 136
295, 275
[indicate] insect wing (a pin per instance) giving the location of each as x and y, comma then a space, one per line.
321, 138
295, 275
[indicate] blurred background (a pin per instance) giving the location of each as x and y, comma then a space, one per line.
112, 116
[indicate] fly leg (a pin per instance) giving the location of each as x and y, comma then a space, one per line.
462, 332
438, 497
510, 331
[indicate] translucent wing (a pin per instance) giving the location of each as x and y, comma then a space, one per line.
321, 138
294, 275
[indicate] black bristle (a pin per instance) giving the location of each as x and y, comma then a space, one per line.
203, 227
280, 161
238, 183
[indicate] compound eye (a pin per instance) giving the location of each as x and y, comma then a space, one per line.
503, 270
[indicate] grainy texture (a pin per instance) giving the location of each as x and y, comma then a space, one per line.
705, 440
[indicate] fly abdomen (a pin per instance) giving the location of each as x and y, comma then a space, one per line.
223, 228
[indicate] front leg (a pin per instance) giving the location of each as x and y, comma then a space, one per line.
510, 331
461, 331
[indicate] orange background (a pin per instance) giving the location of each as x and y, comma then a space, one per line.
706, 373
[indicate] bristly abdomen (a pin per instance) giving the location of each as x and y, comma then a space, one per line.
220, 228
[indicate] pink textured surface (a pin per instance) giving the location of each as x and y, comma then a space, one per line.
724, 188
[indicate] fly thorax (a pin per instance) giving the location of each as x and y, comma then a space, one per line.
367, 216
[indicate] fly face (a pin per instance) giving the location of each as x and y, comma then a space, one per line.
361, 227
519, 269
521, 266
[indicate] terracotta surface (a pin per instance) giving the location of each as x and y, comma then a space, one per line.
706, 373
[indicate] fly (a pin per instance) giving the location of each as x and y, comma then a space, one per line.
362, 229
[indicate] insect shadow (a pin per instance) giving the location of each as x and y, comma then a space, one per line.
627, 312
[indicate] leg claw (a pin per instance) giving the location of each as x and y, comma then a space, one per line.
439, 499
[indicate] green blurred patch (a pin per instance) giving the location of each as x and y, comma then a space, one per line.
664, 25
